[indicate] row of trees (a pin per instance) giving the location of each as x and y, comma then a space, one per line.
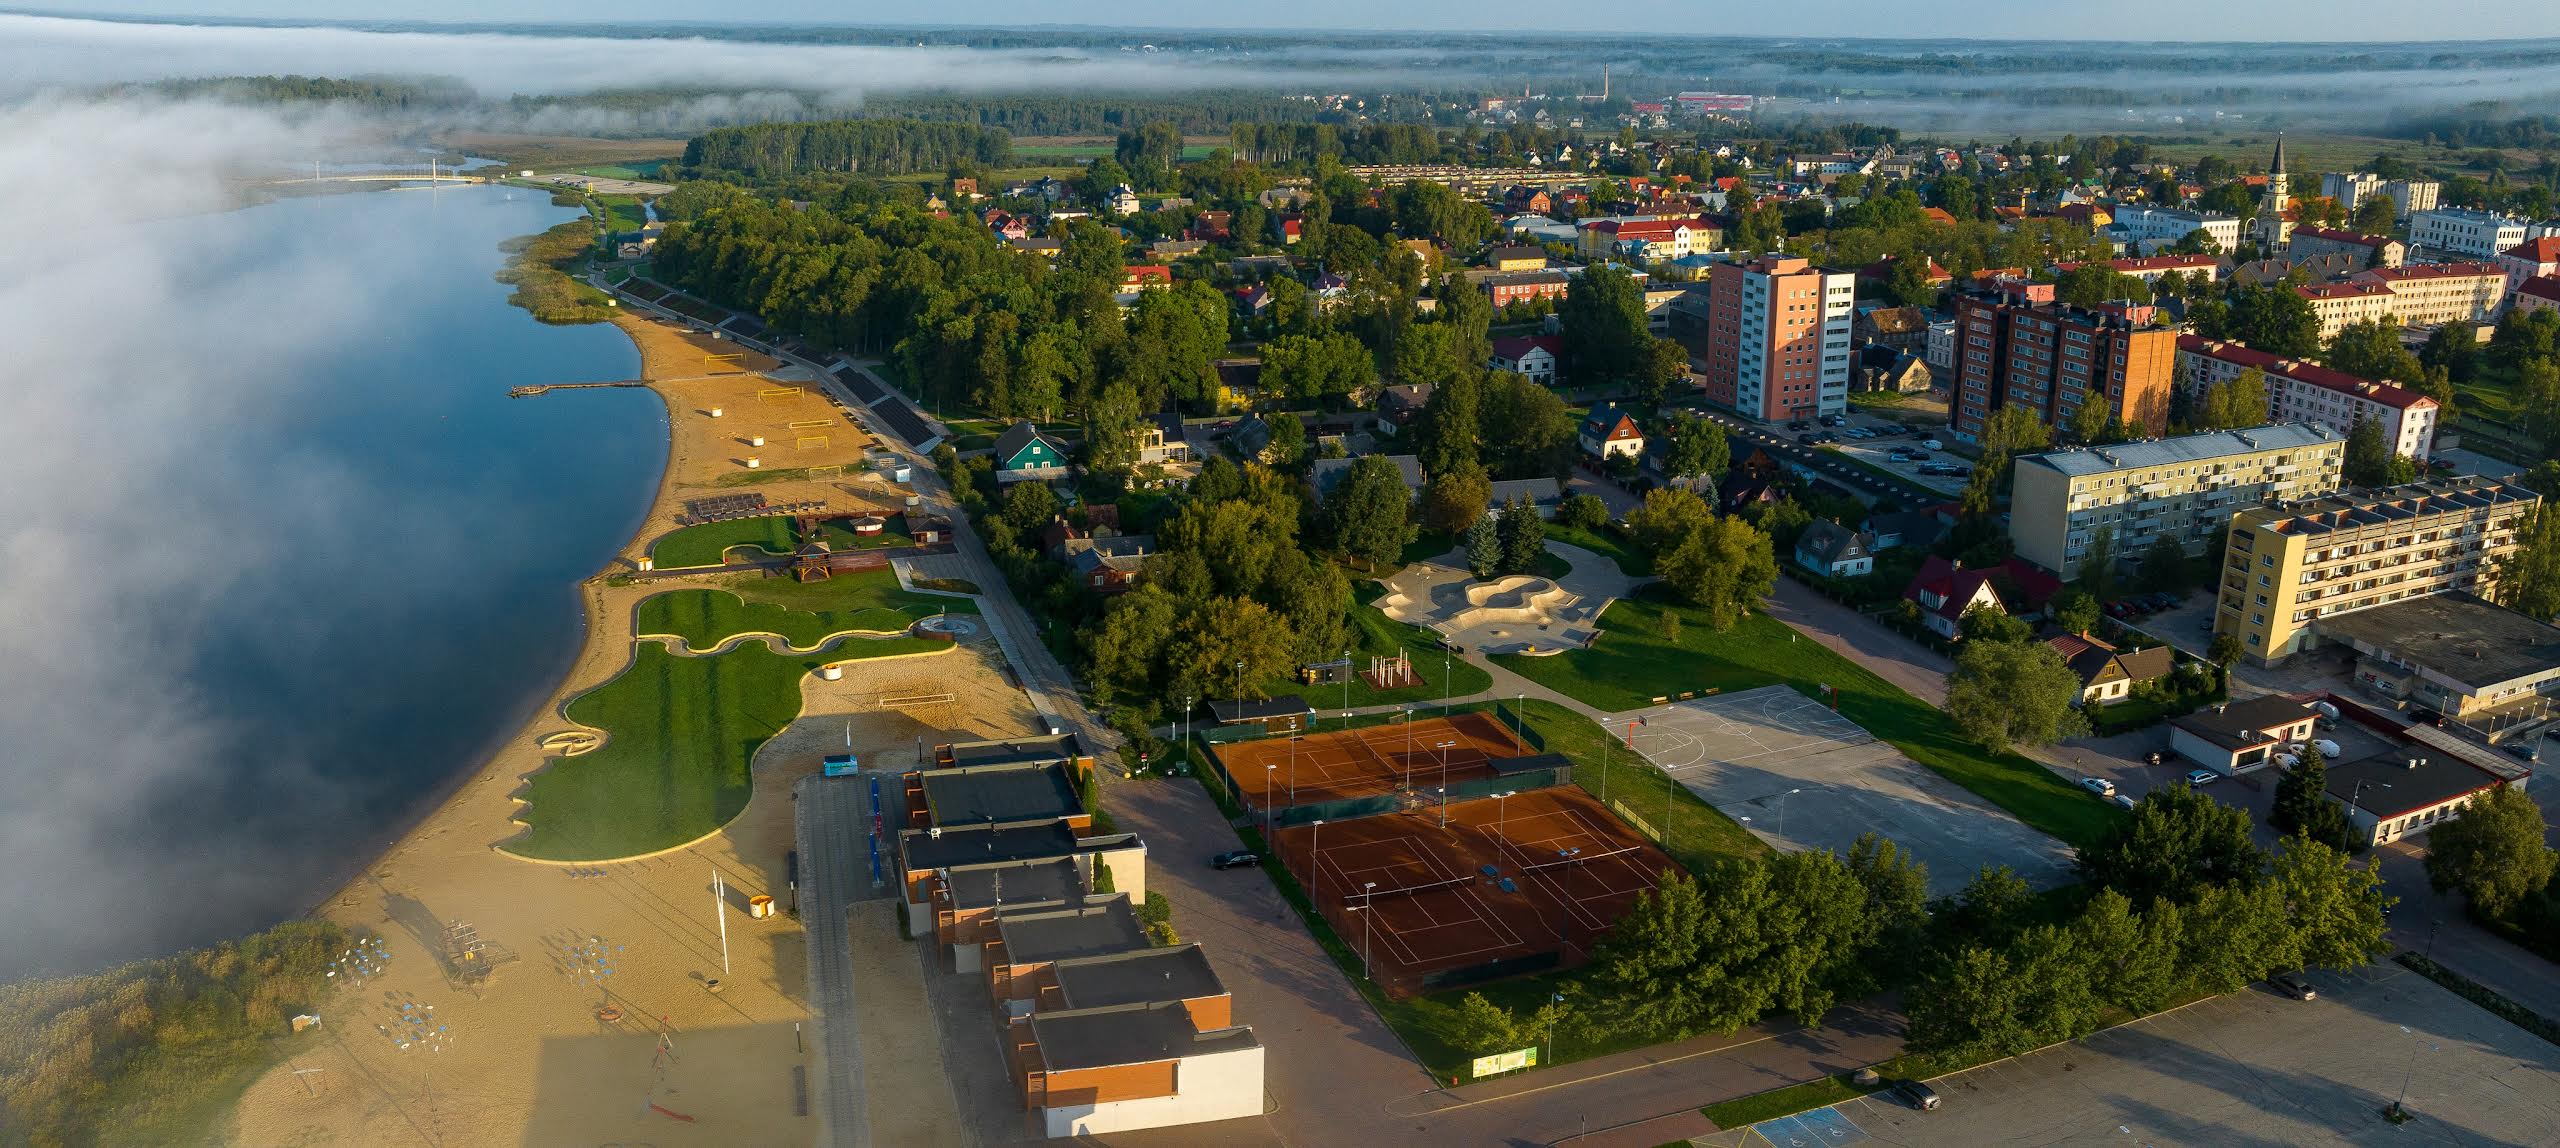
867, 147
2181, 902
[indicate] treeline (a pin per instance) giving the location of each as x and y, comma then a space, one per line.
2484, 125
1199, 113
866, 147
1303, 143
379, 94
2179, 903
130, 1048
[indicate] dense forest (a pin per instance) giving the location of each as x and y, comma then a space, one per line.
143, 1049
868, 147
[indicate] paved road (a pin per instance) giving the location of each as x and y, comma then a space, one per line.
831, 822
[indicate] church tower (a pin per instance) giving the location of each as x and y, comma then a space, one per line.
2271, 230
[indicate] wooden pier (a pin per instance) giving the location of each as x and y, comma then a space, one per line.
538, 388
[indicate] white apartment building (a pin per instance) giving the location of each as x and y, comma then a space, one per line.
2300, 392
2413, 295
2181, 488
2408, 195
1778, 338
2152, 228
2464, 233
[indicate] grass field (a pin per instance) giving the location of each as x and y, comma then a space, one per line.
639, 170
860, 590
706, 618
1632, 664
1607, 543
623, 213
681, 734
709, 543
1376, 635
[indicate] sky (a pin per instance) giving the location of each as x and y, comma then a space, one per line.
1983, 19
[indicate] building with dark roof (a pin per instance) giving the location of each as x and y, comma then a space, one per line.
1013, 750
1167, 973
2300, 392
1030, 938
967, 899
1022, 452
2403, 793
2453, 653
2290, 566
1945, 588
2236, 737
1098, 1070
991, 794
1835, 551
922, 855
2108, 674
1287, 713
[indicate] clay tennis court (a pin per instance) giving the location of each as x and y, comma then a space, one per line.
1509, 885
1421, 754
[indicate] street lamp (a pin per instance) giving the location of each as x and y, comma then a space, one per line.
1408, 746
1315, 876
1499, 805
1184, 735
1268, 768
1445, 681
1444, 747
1368, 896
1239, 684
1782, 810
1346, 688
1293, 767
2374, 838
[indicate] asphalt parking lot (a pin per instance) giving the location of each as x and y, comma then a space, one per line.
1782, 445
2251, 1069
1802, 777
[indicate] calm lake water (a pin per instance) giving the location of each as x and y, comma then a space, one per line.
393, 649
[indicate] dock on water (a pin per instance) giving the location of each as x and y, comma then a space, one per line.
537, 388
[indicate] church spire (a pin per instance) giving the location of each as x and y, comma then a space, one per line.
2276, 166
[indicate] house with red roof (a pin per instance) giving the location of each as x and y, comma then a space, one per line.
1945, 588
2300, 392
1533, 356
2369, 250
1937, 215
2529, 259
2536, 293
1290, 228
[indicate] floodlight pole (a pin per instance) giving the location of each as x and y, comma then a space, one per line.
1368, 896
1408, 747
1268, 768
1346, 688
1444, 782
1315, 876
1293, 767
720, 909
1499, 804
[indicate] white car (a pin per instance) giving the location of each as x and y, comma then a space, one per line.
2328, 749
2202, 777
2098, 785
1932, 444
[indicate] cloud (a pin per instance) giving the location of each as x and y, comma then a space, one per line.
36, 51
146, 355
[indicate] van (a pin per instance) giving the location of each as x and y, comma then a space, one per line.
1918, 1095
2326, 710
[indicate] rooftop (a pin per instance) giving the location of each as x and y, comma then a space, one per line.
965, 844
1013, 750
1145, 976
2453, 635
2312, 373
2335, 512
2391, 785
1101, 924
2243, 724
1326, 472
1049, 881
1021, 791
1259, 709
2081, 461
1127, 1034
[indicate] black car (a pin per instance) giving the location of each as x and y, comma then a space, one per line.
2519, 750
1799, 424
1809, 438
1236, 859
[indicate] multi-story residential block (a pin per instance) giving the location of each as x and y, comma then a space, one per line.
1778, 334
2537, 293
2414, 295
2289, 565
1650, 238
2052, 359
2463, 233
2407, 195
2530, 259
2183, 488
2370, 250
2300, 392
2152, 228
1509, 287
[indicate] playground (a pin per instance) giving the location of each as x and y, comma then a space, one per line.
1443, 895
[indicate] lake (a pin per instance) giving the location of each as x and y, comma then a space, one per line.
402, 591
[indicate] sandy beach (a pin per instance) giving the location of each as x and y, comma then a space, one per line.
542, 1050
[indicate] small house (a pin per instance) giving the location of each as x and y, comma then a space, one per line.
2236, 737
1532, 357
1835, 551
2108, 674
1022, 452
1944, 589
1608, 432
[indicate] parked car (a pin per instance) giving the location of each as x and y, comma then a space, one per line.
1833, 420
2295, 987
1917, 1095
2521, 750
2202, 777
2098, 785
1799, 424
2328, 749
1933, 444
2122, 801
2156, 758
1236, 859
1809, 439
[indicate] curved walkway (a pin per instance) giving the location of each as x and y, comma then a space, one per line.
1517, 614
678, 645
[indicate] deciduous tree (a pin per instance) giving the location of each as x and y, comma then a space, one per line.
2177, 843
2333, 905
1724, 567
2008, 693
2493, 854
1367, 512
1453, 499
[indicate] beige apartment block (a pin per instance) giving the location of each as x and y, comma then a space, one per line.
2183, 488
2288, 566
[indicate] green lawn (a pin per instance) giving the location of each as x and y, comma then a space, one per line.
681, 733
623, 213
709, 543
706, 618
838, 536
643, 170
1374, 634
1608, 543
1631, 665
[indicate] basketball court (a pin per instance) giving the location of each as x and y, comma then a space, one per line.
1418, 755
1803, 777
1506, 885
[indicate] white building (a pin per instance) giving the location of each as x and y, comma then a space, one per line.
2407, 195
2464, 233
2153, 228
1941, 355
2299, 392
